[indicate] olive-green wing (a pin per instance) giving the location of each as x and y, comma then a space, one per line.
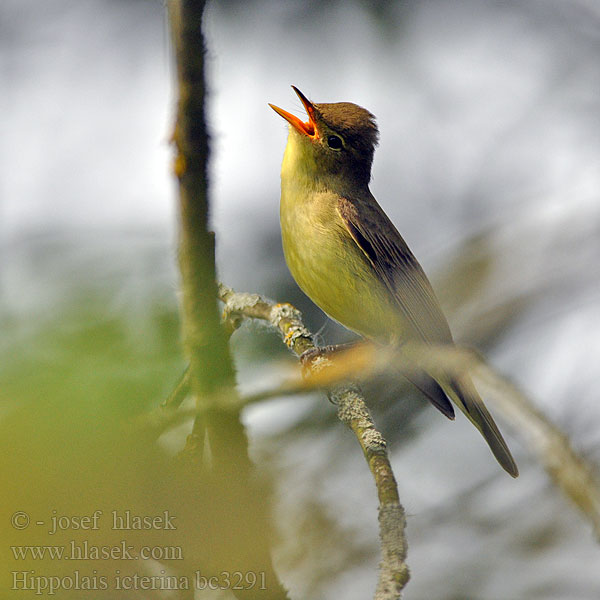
397, 267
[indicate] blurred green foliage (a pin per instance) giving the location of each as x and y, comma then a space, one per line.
76, 382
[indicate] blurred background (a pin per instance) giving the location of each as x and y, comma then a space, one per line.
489, 165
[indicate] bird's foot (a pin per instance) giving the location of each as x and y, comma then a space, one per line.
310, 355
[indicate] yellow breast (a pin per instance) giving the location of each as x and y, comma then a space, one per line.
324, 259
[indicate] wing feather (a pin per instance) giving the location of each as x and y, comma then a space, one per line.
397, 267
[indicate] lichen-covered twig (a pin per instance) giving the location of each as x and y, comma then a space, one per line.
352, 410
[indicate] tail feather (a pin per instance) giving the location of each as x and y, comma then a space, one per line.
430, 387
465, 396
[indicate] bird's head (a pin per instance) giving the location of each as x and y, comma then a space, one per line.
335, 144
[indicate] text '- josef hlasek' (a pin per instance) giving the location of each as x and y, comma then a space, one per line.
122, 521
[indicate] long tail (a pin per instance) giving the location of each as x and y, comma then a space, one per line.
463, 393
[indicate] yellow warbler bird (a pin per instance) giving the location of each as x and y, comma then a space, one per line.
348, 257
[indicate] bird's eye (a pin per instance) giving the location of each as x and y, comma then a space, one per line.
335, 142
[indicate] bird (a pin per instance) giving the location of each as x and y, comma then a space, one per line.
350, 260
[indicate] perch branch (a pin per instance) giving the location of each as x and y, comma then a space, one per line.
352, 410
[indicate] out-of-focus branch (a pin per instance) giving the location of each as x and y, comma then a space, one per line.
567, 469
352, 410
211, 368
227, 501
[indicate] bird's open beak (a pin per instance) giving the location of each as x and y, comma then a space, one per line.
309, 128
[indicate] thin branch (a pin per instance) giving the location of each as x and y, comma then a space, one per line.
393, 573
179, 393
352, 410
569, 471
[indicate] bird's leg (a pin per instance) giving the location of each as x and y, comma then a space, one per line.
308, 356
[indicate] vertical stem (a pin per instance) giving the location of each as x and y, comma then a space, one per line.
206, 346
231, 514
